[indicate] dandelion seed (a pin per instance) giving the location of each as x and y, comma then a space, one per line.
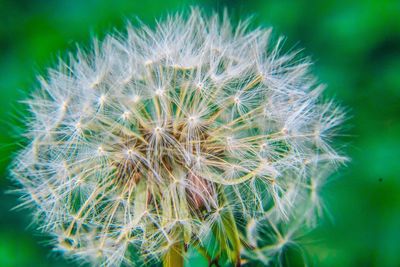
126, 115
102, 100
100, 150
136, 98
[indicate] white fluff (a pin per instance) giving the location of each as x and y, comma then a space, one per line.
146, 140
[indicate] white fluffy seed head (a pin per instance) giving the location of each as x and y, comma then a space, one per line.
148, 140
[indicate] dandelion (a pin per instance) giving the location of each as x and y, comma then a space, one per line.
194, 135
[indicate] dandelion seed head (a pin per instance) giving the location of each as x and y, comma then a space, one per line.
155, 138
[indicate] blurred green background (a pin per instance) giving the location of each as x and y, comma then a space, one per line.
356, 49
